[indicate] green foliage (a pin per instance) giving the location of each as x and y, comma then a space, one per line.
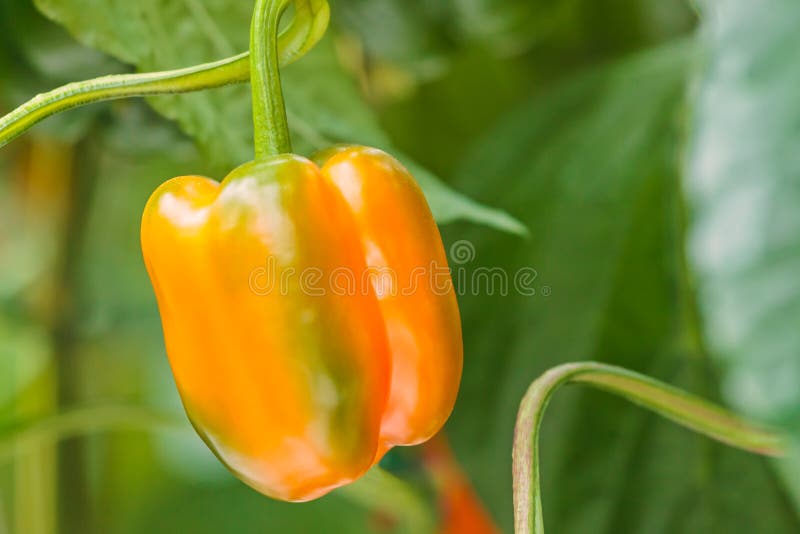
38, 56
592, 169
237, 509
23, 356
651, 169
744, 182
166, 35
323, 102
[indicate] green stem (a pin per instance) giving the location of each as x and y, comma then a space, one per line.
270, 125
35, 506
82, 421
307, 28
674, 404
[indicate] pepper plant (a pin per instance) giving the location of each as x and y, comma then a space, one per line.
308, 312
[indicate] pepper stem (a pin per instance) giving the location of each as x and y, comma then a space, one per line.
270, 125
680, 407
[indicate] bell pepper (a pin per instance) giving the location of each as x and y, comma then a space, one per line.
309, 318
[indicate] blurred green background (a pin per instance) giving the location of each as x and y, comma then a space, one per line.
651, 148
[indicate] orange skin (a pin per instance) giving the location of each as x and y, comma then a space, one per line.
420, 312
290, 366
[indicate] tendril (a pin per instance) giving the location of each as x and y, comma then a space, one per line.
306, 29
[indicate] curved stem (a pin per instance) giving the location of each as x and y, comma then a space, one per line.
270, 125
82, 421
307, 28
218, 73
674, 404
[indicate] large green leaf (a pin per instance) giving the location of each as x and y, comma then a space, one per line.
322, 101
743, 176
744, 181
591, 168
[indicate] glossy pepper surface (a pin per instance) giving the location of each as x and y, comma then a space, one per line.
309, 319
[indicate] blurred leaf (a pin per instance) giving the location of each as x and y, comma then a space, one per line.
48, 48
511, 25
320, 97
494, 69
409, 33
424, 125
24, 351
318, 79
744, 182
37, 55
515, 26
591, 169
25, 251
170, 34
237, 508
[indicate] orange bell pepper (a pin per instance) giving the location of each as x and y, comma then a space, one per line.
309, 318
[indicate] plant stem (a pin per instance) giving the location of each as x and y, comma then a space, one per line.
674, 404
75, 502
208, 75
84, 421
47, 173
35, 495
309, 24
270, 125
